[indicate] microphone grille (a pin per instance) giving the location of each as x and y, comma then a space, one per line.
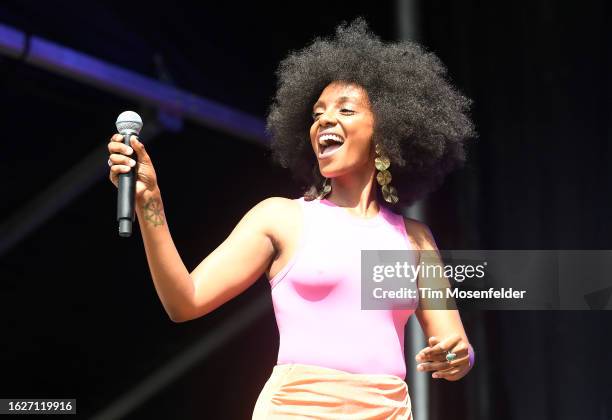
129, 120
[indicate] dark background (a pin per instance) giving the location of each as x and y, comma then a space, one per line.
79, 315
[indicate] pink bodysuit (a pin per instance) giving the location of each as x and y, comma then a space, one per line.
317, 295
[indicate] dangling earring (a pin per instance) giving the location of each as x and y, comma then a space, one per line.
326, 189
384, 177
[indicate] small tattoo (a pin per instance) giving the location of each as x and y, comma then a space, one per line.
154, 211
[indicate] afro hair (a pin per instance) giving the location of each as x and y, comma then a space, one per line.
422, 121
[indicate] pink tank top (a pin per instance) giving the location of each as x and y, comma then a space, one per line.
317, 295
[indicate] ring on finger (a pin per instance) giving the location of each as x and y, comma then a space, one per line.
450, 356
110, 163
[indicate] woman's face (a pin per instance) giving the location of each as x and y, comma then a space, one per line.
342, 128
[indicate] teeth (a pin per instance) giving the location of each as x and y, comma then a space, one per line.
326, 138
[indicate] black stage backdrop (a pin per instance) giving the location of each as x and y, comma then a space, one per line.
539, 178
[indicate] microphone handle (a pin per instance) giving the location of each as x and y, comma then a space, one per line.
126, 194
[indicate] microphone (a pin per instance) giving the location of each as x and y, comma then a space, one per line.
128, 124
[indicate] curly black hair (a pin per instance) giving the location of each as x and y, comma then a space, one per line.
421, 120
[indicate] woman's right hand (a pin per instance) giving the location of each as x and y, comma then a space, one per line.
123, 159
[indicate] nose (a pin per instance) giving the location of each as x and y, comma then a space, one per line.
327, 118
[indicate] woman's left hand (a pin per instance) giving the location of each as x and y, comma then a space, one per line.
433, 358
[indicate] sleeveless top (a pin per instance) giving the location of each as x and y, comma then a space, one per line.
317, 294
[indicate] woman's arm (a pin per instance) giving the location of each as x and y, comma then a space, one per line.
443, 327
230, 269
171, 279
244, 256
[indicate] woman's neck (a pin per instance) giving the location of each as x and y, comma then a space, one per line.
356, 192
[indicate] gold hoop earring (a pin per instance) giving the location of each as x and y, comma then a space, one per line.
384, 177
326, 189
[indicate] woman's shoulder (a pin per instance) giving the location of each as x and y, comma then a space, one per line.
420, 233
276, 204
273, 210
280, 218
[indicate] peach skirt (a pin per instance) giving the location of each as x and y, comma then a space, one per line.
296, 391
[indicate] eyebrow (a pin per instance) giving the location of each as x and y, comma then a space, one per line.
339, 100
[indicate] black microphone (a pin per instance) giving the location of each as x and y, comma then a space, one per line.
128, 124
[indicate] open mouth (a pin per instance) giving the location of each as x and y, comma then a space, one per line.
329, 144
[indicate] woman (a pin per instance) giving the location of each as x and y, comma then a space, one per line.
385, 127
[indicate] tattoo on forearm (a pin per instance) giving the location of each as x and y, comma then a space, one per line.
154, 211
